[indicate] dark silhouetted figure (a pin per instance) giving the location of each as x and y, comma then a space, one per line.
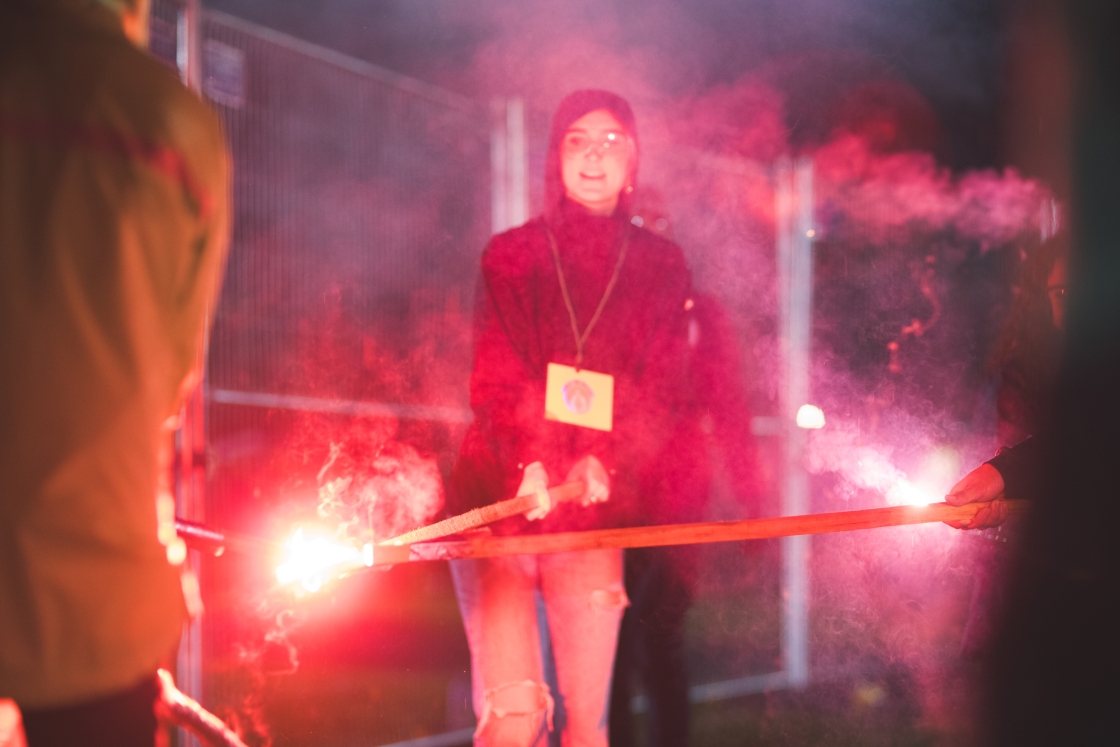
1026, 361
1057, 655
660, 581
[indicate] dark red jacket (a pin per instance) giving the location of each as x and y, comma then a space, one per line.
522, 325
716, 430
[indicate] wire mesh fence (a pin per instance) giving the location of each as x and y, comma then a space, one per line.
354, 196
361, 200
361, 203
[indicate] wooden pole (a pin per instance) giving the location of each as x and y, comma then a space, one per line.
485, 546
478, 517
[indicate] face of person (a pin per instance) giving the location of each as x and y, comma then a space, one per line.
596, 156
1056, 288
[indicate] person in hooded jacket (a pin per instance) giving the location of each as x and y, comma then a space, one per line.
580, 373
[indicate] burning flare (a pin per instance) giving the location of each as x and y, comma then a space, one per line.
906, 493
312, 562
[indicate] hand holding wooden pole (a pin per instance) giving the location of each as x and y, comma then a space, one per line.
479, 517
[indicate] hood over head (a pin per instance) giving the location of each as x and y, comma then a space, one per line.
571, 108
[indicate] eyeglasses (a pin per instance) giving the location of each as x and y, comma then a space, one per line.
611, 145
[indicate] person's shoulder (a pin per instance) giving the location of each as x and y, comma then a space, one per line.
69, 66
530, 232
145, 99
158, 104
657, 251
517, 250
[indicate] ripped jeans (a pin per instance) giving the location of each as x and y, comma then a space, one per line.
584, 599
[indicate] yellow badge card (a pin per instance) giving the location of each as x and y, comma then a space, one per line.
582, 398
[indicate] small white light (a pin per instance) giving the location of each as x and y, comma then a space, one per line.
637, 221
810, 233
165, 532
810, 416
165, 508
176, 551
367, 554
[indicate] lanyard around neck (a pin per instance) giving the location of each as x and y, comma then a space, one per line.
582, 338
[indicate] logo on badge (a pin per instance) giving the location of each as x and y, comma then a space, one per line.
577, 396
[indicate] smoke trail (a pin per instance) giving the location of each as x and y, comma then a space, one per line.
384, 495
876, 194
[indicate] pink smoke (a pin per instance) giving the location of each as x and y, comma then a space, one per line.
381, 496
877, 194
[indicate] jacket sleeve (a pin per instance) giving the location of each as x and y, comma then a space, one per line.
200, 264
717, 380
1019, 467
658, 394
507, 399
663, 368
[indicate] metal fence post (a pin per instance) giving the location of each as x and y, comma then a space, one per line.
794, 197
190, 496
191, 438
509, 188
188, 46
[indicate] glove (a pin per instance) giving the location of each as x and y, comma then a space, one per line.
590, 470
536, 481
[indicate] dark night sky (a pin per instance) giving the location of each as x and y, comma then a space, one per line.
950, 51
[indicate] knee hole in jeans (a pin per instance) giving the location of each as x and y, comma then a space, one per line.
611, 598
527, 700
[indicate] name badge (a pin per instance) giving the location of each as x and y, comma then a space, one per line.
582, 398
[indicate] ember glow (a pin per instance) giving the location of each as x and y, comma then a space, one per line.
906, 493
312, 562
907, 467
935, 475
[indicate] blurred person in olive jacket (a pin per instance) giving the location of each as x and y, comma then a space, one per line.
113, 230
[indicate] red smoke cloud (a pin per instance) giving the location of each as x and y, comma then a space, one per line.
877, 193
